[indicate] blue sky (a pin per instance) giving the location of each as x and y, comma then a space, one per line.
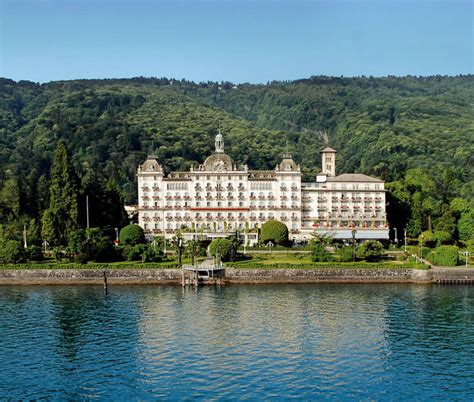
238, 41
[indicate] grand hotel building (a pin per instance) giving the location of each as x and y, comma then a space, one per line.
218, 198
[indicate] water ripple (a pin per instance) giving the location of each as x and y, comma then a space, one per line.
348, 342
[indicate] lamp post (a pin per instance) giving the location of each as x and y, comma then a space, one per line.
353, 232
396, 236
466, 255
405, 238
180, 248
420, 249
116, 237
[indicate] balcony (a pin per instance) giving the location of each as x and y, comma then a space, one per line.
294, 188
145, 188
283, 188
156, 188
156, 197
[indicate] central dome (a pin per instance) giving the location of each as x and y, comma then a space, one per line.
219, 162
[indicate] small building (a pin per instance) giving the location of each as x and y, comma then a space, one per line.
219, 197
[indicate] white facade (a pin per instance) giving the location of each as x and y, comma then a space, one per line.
218, 198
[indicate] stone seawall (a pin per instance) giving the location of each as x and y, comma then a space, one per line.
89, 276
295, 275
233, 275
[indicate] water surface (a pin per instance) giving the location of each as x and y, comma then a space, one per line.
246, 342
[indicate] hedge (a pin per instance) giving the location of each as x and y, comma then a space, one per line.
257, 265
447, 256
71, 265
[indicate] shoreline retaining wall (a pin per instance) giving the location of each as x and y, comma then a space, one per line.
233, 276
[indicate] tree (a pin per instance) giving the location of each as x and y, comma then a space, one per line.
11, 252
132, 235
62, 215
222, 248
274, 231
466, 226
370, 250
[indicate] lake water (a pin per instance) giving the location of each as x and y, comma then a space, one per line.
326, 341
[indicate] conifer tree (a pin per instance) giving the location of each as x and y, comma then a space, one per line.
62, 215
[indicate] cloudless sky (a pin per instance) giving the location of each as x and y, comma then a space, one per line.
238, 41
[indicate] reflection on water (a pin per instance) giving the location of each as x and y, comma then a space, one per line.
331, 341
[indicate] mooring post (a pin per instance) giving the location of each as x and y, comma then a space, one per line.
105, 282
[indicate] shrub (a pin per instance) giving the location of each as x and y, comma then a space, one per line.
345, 254
447, 256
132, 235
34, 253
274, 231
427, 239
11, 252
441, 237
319, 252
224, 247
152, 254
134, 253
370, 250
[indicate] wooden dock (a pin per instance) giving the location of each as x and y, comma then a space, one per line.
207, 273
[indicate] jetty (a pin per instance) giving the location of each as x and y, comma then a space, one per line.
209, 272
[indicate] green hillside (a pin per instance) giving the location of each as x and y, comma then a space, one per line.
380, 126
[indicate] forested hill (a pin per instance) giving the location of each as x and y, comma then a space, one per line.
380, 126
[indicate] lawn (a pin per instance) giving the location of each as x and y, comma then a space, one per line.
303, 260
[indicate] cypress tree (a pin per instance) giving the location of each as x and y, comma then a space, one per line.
62, 215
